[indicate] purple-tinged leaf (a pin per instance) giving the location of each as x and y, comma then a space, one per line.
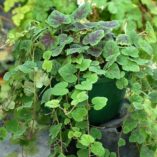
48, 40
123, 40
64, 39
82, 12
108, 24
73, 50
93, 38
57, 18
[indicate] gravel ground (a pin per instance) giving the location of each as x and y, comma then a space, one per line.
7, 148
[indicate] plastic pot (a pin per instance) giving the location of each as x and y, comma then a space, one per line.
105, 87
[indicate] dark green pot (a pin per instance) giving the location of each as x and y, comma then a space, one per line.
106, 88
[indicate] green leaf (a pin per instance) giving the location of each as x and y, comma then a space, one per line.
79, 114
112, 7
128, 64
99, 102
153, 96
84, 65
67, 72
129, 125
82, 12
122, 83
58, 50
52, 104
146, 152
98, 149
91, 77
113, 72
121, 142
47, 65
78, 97
110, 49
54, 130
61, 155
60, 89
47, 55
86, 140
46, 96
85, 85
130, 51
95, 51
93, 38
76, 50
3, 133
57, 19
83, 153
123, 40
27, 67
151, 36
96, 133
145, 46
12, 126
138, 136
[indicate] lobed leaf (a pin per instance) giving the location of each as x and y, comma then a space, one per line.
93, 38
82, 12
57, 19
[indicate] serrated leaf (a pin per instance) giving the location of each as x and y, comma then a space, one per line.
60, 89
54, 130
79, 114
98, 149
93, 38
82, 12
67, 72
57, 19
86, 140
99, 102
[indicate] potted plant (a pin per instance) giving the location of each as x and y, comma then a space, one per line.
70, 73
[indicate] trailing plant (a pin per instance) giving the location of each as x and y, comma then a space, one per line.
26, 11
58, 63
